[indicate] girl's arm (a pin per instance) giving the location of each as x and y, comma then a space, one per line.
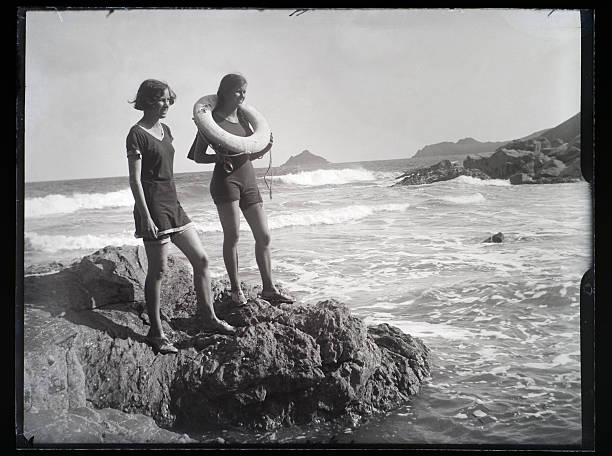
135, 165
198, 149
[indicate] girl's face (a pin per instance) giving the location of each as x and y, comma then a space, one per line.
237, 96
161, 104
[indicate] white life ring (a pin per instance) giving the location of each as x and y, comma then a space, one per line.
202, 115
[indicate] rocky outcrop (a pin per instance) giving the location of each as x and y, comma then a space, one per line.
305, 159
536, 166
85, 353
442, 171
551, 157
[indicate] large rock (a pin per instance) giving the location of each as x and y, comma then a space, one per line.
552, 168
442, 171
503, 163
85, 348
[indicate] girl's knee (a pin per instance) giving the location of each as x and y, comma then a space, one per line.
231, 238
201, 264
264, 239
158, 271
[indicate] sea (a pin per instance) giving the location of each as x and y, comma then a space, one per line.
502, 320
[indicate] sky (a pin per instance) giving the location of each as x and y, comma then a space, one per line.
348, 85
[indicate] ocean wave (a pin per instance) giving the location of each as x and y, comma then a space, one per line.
330, 177
482, 182
464, 199
331, 216
63, 204
54, 243
51, 243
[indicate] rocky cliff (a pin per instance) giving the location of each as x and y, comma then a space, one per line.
89, 375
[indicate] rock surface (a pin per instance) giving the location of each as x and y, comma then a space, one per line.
442, 171
85, 352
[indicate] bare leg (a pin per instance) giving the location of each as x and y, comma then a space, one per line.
157, 266
257, 220
229, 216
189, 243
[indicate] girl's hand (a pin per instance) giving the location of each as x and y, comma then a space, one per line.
150, 228
257, 155
219, 158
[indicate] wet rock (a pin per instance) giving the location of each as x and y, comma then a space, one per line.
521, 178
552, 168
286, 364
498, 237
442, 171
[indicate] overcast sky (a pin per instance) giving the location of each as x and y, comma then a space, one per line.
348, 85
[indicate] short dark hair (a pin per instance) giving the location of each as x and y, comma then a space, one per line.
148, 93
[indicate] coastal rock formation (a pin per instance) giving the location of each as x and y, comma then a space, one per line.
552, 157
546, 156
86, 361
305, 159
444, 170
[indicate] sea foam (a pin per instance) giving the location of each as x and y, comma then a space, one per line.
330, 177
331, 216
464, 199
62, 204
58, 242
482, 182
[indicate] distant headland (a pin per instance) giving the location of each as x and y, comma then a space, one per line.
305, 159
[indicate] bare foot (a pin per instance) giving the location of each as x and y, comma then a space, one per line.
276, 297
219, 326
238, 297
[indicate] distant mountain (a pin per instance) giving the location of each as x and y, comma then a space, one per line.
462, 147
305, 159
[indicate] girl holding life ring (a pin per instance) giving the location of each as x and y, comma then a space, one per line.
158, 215
233, 186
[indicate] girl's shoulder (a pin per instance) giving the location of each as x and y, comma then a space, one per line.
136, 130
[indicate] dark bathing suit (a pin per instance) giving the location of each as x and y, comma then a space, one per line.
157, 182
239, 185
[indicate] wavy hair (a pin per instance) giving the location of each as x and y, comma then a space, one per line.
149, 92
